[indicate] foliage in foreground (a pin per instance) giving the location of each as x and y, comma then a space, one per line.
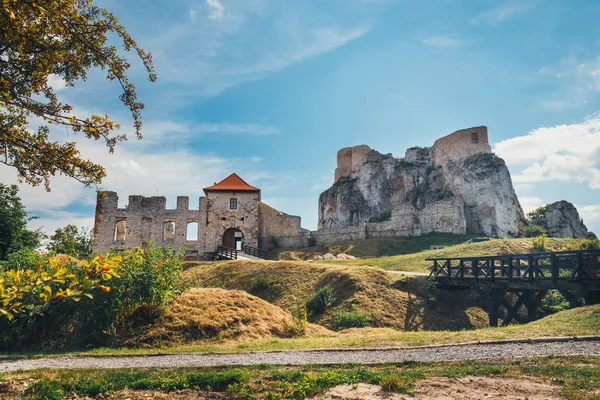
578, 377
121, 292
14, 235
59, 40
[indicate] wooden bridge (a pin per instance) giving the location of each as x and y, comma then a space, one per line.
575, 274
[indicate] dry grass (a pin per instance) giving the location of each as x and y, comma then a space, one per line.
416, 261
576, 322
218, 314
394, 301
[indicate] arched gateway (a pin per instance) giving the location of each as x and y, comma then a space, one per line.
233, 238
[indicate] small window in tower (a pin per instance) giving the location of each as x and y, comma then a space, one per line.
474, 137
233, 204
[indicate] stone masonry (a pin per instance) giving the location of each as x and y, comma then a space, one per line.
230, 209
455, 186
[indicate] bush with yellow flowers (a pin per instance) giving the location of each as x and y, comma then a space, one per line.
60, 301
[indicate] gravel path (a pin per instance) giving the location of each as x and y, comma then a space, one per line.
302, 357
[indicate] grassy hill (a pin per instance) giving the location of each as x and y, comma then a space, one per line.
397, 302
416, 261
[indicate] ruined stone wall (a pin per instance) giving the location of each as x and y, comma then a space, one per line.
145, 219
273, 222
349, 160
460, 145
220, 217
455, 186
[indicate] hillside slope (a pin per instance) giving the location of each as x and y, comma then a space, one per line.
394, 301
416, 262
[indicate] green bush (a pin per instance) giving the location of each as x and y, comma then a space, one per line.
322, 300
539, 243
589, 244
147, 281
532, 230
45, 390
353, 319
312, 241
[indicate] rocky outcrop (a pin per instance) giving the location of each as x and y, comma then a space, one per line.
445, 188
561, 219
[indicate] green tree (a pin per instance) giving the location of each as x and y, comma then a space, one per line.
72, 241
14, 234
65, 39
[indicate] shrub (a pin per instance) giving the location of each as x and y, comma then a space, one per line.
394, 383
539, 243
141, 283
589, 244
532, 230
312, 241
299, 321
322, 300
45, 390
353, 319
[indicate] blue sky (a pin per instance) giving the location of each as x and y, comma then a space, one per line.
272, 89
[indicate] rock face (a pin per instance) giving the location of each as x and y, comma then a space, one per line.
562, 220
455, 186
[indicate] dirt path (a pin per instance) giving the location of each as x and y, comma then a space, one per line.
304, 357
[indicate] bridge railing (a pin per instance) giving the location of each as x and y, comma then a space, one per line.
571, 265
255, 251
227, 253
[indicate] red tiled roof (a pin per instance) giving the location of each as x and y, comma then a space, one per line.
233, 183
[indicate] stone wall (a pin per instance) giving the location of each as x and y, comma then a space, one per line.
455, 186
145, 219
460, 145
220, 217
350, 159
273, 222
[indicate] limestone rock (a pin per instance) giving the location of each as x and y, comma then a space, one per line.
328, 256
455, 186
562, 220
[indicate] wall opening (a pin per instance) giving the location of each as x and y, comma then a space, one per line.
233, 238
192, 231
474, 137
233, 203
120, 231
169, 231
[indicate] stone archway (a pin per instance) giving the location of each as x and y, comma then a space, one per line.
232, 238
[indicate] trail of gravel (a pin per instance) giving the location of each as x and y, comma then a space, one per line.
303, 357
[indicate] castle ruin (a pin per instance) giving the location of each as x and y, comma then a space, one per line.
231, 215
456, 186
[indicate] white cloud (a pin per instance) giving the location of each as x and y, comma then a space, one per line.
560, 153
503, 12
216, 9
448, 41
207, 59
49, 224
530, 203
56, 82
590, 214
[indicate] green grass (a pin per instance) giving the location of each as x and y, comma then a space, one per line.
376, 247
415, 262
578, 378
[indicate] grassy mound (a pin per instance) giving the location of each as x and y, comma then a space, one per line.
416, 261
221, 314
392, 301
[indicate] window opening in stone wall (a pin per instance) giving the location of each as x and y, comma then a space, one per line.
233, 204
120, 231
192, 231
169, 231
474, 137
